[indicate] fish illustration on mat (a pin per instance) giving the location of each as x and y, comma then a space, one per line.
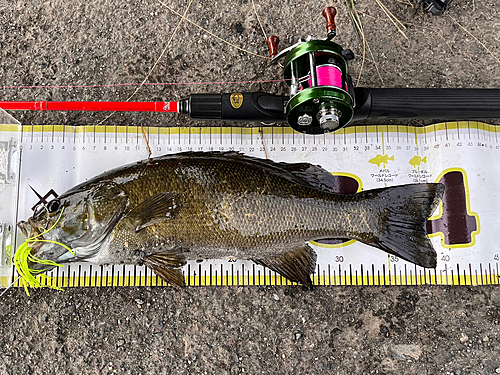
417, 160
195, 206
381, 159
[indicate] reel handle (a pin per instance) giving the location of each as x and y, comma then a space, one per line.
273, 42
329, 13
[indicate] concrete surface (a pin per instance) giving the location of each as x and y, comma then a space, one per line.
282, 330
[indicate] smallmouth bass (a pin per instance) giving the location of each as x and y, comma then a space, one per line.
195, 206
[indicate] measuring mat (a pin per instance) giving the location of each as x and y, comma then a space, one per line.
460, 155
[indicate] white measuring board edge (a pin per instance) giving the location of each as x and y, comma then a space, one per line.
460, 154
9, 156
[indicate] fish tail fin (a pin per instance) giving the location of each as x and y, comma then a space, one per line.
401, 224
424, 159
391, 158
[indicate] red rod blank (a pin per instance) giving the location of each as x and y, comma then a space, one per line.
91, 106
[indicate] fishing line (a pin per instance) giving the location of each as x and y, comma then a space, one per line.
139, 84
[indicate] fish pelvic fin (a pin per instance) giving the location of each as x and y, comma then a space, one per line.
166, 265
404, 211
296, 265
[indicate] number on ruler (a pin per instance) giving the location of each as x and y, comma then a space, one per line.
394, 258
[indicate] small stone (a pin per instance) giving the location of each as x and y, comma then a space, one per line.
120, 342
139, 301
406, 351
497, 370
239, 28
384, 330
298, 335
276, 298
486, 339
464, 338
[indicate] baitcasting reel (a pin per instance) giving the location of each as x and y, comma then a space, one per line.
321, 90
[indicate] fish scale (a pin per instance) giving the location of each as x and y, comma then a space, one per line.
219, 216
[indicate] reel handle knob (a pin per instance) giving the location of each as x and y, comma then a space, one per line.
329, 13
273, 42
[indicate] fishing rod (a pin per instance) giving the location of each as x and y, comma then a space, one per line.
322, 97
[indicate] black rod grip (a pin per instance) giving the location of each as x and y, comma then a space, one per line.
438, 104
246, 106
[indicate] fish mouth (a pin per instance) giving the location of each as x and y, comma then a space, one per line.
25, 227
29, 231
30, 228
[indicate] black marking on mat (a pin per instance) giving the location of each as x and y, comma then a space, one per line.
243, 273
329, 276
68, 273
57, 276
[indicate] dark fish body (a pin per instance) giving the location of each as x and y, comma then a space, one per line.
211, 205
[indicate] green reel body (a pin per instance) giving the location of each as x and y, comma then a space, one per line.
321, 97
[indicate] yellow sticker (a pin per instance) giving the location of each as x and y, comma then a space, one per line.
236, 100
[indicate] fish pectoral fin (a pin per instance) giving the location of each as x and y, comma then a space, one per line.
156, 209
296, 265
166, 265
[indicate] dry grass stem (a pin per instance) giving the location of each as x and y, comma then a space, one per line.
155, 64
395, 21
358, 28
210, 33
417, 28
477, 40
258, 20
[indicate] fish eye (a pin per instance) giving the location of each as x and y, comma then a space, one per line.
53, 206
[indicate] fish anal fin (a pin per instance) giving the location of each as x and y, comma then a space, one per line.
296, 265
156, 209
166, 265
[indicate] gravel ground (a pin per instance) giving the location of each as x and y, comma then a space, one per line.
344, 330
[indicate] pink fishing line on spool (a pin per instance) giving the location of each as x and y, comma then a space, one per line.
328, 75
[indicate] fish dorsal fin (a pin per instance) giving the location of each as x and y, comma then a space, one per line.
315, 176
305, 174
166, 265
156, 209
296, 265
